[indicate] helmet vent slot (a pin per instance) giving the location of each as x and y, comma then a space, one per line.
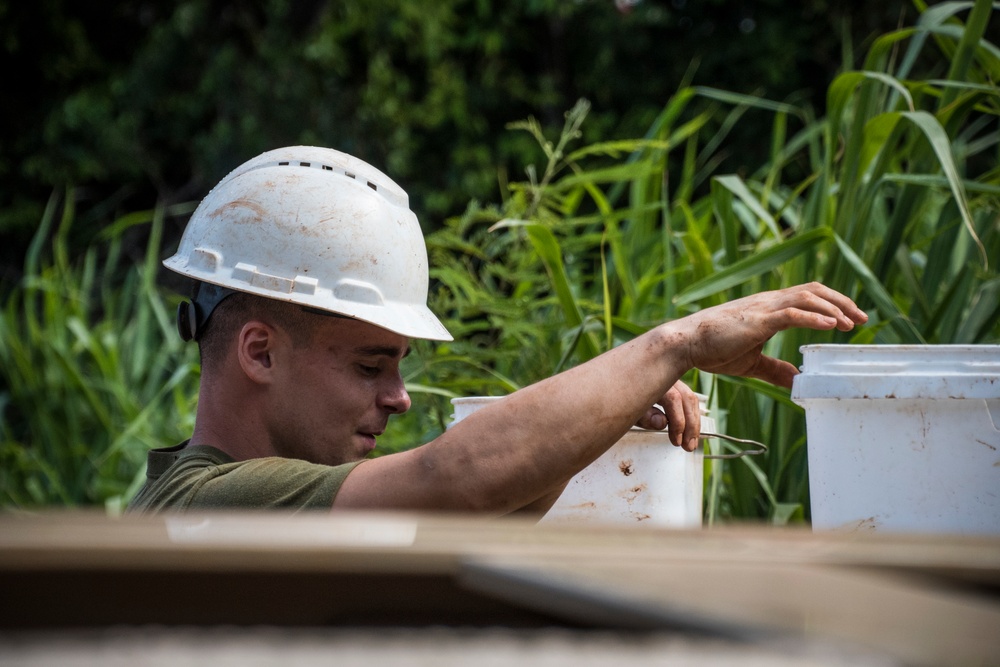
325, 167
373, 186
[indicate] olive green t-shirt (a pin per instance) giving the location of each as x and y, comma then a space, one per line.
186, 477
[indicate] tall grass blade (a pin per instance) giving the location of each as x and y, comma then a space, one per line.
753, 266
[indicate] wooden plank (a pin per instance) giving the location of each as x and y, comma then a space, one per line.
780, 580
435, 542
402, 647
872, 611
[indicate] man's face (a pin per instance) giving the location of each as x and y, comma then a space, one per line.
335, 394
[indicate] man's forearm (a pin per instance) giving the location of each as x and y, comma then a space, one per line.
540, 506
510, 453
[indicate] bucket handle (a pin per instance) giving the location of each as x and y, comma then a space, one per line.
761, 447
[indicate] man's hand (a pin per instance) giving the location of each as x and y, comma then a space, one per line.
681, 414
729, 338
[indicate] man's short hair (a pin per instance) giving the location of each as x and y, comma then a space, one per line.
236, 310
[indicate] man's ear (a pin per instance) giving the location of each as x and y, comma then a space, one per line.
255, 350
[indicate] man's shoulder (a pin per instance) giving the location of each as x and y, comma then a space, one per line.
159, 461
186, 477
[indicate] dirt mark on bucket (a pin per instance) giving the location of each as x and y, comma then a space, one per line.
583, 506
871, 523
986, 443
632, 494
626, 467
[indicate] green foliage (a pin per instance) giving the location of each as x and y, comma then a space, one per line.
892, 198
91, 369
155, 102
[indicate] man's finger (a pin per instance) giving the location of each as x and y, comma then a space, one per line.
673, 408
819, 298
653, 420
692, 421
775, 371
795, 317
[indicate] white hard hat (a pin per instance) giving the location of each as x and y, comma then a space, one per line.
316, 227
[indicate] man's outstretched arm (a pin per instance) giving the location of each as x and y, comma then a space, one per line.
515, 451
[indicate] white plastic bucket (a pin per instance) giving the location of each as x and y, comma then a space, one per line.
903, 437
642, 478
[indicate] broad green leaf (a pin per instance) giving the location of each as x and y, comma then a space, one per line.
623, 172
982, 313
777, 394
739, 189
753, 266
785, 513
975, 28
880, 295
941, 145
617, 148
545, 244
745, 100
722, 206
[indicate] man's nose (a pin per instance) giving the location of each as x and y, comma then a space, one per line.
395, 398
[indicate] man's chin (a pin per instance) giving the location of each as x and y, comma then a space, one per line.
367, 443
355, 449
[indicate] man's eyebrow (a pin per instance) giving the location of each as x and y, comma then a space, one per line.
383, 351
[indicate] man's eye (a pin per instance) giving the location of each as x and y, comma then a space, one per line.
368, 370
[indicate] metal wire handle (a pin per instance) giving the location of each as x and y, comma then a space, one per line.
746, 452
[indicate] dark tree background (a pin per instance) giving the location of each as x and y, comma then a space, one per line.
136, 102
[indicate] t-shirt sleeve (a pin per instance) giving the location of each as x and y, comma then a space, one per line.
268, 483
272, 483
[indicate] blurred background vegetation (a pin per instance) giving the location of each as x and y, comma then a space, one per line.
135, 103
724, 147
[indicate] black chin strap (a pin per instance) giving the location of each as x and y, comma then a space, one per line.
192, 316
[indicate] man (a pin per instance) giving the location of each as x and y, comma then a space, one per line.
312, 278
